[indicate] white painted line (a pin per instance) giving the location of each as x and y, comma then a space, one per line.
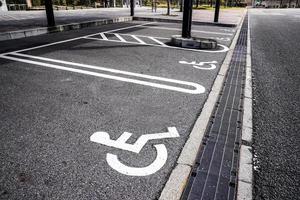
198, 89
103, 36
187, 157
224, 48
77, 38
119, 37
157, 41
138, 39
146, 36
177, 29
226, 39
125, 28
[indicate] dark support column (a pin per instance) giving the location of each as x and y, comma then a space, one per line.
49, 13
187, 18
181, 5
217, 11
132, 4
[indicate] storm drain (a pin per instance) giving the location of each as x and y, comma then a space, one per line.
214, 174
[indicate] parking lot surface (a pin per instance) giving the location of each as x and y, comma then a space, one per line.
100, 113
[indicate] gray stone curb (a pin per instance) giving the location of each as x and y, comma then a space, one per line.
245, 175
60, 28
152, 19
193, 42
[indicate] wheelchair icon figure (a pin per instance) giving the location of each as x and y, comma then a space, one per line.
201, 65
120, 143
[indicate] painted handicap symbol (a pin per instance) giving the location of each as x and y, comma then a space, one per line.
120, 143
201, 65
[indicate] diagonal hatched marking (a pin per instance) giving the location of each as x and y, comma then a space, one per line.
223, 48
119, 37
138, 39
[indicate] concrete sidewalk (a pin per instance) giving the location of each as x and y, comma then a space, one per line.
18, 24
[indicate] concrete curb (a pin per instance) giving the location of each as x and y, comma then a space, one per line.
245, 175
153, 19
60, 28
193, 42
179, 176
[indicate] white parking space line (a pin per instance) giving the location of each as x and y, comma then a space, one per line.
177, 29
125, 28
138, 39
197, 88
103, 36
157, 41
225, 39
224, 48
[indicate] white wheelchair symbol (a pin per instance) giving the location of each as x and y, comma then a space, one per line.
226, 39
120, 143
201, 65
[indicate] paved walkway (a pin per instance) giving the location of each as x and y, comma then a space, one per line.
21, 20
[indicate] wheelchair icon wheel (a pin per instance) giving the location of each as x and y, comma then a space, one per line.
120, 143
159, 162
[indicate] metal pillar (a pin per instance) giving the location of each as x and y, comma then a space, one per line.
49, 13
132, 4
187, 18
217, 11
181, 5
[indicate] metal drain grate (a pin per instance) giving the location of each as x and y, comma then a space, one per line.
214, 174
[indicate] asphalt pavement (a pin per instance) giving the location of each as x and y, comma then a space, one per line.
70, 102
275, 43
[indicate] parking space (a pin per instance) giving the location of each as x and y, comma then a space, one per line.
103, 115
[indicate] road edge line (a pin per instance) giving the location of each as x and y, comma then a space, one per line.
60, 28
179, 176
245, 174
157, 19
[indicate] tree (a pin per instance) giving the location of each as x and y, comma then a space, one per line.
169, 5
197, 3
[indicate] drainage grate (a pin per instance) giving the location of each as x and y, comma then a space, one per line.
214, 174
